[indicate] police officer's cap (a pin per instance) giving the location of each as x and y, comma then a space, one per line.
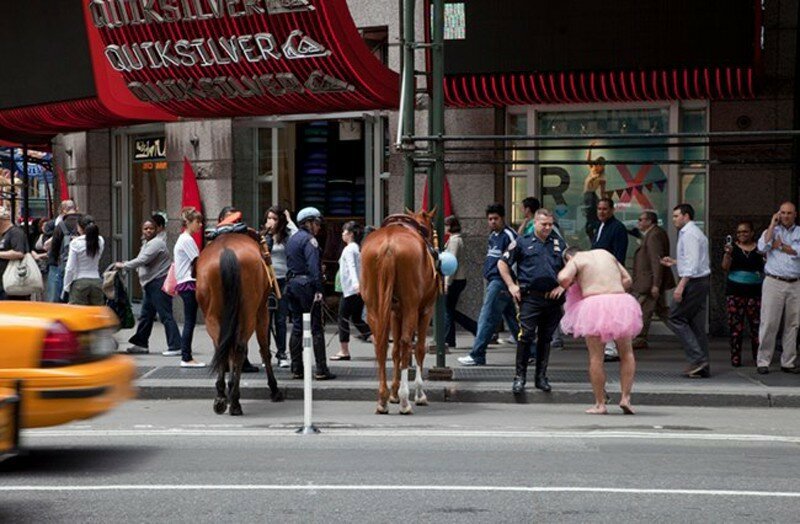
308, 213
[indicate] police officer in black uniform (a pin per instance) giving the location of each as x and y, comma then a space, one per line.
304, 291
539, 259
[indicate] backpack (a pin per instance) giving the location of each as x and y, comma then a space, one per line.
64, 253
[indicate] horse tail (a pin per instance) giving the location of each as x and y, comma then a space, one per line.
230, 273
386, 277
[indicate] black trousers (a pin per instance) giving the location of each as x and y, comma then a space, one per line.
350, 310
300, 295
453, 316
537, 316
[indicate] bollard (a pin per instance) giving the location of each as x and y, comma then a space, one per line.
308, 370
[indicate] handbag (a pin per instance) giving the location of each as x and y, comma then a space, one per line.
170, 283
22, 277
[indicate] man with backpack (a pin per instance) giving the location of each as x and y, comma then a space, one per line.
66, 228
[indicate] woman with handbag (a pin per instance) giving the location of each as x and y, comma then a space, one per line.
13, 246
279, 228
184, 254
82, 273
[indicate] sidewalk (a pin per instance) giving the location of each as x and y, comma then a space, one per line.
658, 377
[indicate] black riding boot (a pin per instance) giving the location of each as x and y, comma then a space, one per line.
542, 357
521, 370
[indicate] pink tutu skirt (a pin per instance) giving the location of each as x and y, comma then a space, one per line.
610, 317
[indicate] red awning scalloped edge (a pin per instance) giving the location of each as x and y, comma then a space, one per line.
719, 83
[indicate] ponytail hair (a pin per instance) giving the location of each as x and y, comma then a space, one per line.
356, 229
92, 234
189, 215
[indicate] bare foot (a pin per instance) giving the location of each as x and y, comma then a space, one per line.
597, 409
626, 408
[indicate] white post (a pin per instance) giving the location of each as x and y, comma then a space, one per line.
308, 367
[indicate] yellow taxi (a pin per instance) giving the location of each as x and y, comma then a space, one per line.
65, 358
9, 423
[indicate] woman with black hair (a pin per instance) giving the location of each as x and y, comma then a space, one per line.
82, 275
279, 228
351, 307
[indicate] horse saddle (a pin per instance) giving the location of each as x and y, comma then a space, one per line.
407, 221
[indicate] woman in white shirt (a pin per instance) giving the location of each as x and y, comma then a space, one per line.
82, 273
351, 306
184, 254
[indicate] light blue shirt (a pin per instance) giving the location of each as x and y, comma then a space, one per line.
693, 260
782, 264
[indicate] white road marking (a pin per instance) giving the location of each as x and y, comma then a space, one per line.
380, 487
286, 431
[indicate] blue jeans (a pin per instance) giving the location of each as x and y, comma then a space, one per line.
189, 320
156, 301
497, 302
55, 283
278, 320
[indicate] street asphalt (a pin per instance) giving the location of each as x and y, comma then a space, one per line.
659, 378
175, 461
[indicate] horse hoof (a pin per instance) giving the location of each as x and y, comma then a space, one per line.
406, 410
422, 401
381, 410
394, 400
277, 396
236, 411
220, 406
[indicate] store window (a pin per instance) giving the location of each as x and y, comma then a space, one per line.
693, 178
148, 187
628, 176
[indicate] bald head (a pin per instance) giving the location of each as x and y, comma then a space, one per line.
788, 214
68, 206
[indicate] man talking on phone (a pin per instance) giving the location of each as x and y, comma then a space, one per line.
780, 293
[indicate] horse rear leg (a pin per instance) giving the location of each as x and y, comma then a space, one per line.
396, 350
380, 332
236, 361
408, 324
221, 401
420, 398
262, 335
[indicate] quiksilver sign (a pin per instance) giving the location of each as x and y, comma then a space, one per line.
156, 44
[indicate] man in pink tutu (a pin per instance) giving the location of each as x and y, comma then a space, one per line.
600, 309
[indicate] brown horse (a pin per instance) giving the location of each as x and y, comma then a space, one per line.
399, 284
233, 291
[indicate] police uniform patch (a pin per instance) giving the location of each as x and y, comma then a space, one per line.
314, 242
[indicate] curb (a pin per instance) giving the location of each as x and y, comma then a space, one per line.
486, 395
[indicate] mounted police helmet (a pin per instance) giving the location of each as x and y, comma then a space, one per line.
308, 213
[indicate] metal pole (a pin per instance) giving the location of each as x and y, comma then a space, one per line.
13, 188
308, 369
26, 211
407, 101
437, 180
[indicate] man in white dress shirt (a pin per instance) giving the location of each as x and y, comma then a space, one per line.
780, 295
687, 316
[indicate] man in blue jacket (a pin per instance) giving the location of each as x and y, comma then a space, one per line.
613, 237
497, 300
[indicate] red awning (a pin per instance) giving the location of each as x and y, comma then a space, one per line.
623, 86
261, 58
253, 58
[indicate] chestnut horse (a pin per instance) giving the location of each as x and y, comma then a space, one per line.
233, 291
399, 285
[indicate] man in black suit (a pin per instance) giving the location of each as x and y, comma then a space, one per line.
613, 237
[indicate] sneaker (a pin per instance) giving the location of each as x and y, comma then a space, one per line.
138, 350
610, 353
283, 363
510, 340
171, 353
192, 364
699, 371
469, 361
